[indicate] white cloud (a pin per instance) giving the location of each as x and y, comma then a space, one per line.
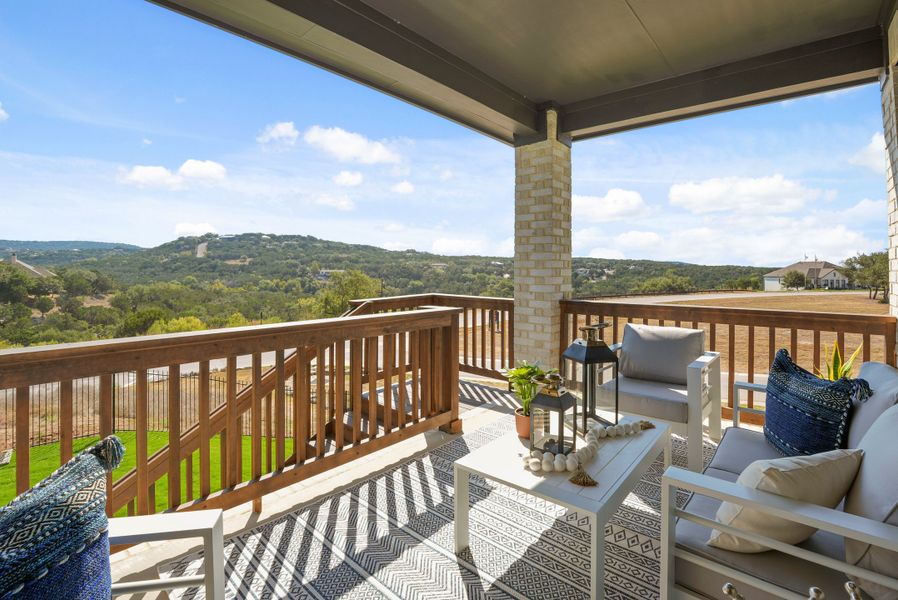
640, 240
203, 169
756, 195
151, 176
180, 100
340, 202
458, 246
617, 204
875, 211
147, 142
282, 132
446, 174
3, 114
396, 246
348, 178
193, 229
871, 156
392, 227
602, 252
347, 146
403, 187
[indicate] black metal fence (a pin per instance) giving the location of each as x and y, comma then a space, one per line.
44, 413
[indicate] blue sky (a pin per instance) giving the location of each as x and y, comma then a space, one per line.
122, 121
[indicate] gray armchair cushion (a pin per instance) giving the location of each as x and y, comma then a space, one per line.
659, 353
874, 495
651, 399
883, 380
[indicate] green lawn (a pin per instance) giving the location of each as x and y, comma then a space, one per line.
45, 459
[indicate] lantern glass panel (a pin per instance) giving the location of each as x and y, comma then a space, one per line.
553, 423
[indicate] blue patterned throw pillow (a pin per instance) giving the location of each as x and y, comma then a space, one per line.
805, 414
53, 538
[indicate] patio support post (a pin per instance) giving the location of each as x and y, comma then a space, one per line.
542, 241
889, 89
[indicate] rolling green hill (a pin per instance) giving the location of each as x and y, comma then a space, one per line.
61, 253
248, 259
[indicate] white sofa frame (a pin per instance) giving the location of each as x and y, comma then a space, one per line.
703, 397
827, 519
205, 524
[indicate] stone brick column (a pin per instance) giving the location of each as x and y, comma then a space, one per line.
542, 244
889, 89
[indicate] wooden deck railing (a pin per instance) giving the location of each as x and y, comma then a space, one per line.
486, 326
746, 338
340, 409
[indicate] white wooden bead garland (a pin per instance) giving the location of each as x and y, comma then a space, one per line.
547, 462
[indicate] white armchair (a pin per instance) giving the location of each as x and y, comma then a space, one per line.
666, 375
204, 524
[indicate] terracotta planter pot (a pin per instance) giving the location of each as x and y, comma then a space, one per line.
522, 423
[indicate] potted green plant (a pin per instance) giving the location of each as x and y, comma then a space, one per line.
836, 368
524, 380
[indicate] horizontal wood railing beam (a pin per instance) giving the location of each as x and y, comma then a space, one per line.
45, 364
760, 317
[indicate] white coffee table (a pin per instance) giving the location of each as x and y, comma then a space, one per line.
619, 465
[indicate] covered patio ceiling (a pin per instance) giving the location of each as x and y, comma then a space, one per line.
606, 65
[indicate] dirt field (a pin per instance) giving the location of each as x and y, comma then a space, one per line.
829, 302
826, 302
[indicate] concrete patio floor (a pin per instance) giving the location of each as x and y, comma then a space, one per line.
480, 405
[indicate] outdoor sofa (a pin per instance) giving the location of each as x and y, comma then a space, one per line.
861, 546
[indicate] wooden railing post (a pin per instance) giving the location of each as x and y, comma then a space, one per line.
23, 438
449, 365
174, 436
106, 426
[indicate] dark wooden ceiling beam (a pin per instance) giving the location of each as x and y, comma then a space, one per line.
827, 64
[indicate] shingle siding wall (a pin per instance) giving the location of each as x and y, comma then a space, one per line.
542, 265
889, 123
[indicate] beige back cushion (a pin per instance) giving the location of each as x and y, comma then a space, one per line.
874, 495
820, 479
883, 380
659, 353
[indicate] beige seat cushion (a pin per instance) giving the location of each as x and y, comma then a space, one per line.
874, 495
739, 448
773, 567
883, 380
659, 353
650, 398
821, 479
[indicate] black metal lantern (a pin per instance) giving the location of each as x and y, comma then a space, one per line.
548, 412
592, 352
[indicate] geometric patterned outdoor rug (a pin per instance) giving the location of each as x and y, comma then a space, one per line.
391, 536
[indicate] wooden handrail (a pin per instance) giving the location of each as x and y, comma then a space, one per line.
321, 354
43, 364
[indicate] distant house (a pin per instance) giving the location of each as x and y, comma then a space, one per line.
325, 274
28, 269
817, 274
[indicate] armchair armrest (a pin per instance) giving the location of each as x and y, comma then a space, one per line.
738, 409
205, 524
705, 397
705, 360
